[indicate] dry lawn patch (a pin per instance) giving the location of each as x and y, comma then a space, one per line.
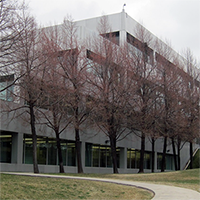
24, 187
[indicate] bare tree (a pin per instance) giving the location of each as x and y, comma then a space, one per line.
168, 80
192, 100
74, 66
53, 109
10, 34
27, 54
107, 80
141, 73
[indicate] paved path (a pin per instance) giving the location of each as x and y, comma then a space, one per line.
161, 192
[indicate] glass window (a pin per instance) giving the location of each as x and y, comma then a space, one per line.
137, 159
109, 157
71, 154
64, 151
52, 152
88, 155
128, 158
5, 81
131, 158
6, 145
99, 156
95, 156
103, 155
3, 93
159, 160
147, 160
169, 161
28, 150
41, 150
47, 152
113, 37
10, 91
118, 157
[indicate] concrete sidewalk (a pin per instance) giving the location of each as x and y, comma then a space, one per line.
161, 192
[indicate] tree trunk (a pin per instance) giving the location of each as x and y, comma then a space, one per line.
113, 154
153, 155
34, 138
60, 158
174, 154
77, 136
78, 151
141, 167
164, 154
191, 155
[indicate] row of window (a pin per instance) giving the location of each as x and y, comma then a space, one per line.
133, 160
95, 155
47, 151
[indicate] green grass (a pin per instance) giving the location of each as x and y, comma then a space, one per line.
187, 179
25, 187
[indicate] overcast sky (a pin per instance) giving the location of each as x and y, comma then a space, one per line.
178, 21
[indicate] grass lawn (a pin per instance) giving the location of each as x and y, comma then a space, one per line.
187, 179
25, 187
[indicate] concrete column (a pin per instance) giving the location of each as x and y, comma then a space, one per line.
122, 32
20, 148
17, 148
155, 162
83, 155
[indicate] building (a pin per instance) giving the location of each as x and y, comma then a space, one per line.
16, 142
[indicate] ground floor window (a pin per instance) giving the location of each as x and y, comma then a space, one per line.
169, 161
133, 159
147, 160
47, 153
99, 156
5, 147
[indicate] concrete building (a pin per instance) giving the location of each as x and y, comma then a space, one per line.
16, 142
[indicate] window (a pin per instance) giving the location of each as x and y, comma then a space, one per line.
95, 156
42, 150
145, 51
133, 158
28, 150
71, 154
99, 156
52, 152
169, 161
47, 152
88, 155
5, 81
6, 144
147, 160
113, 37
105, 157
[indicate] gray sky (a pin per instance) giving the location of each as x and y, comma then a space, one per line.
178, 21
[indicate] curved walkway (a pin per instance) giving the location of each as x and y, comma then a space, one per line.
161, 192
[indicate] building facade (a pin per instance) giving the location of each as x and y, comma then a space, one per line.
16, 141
